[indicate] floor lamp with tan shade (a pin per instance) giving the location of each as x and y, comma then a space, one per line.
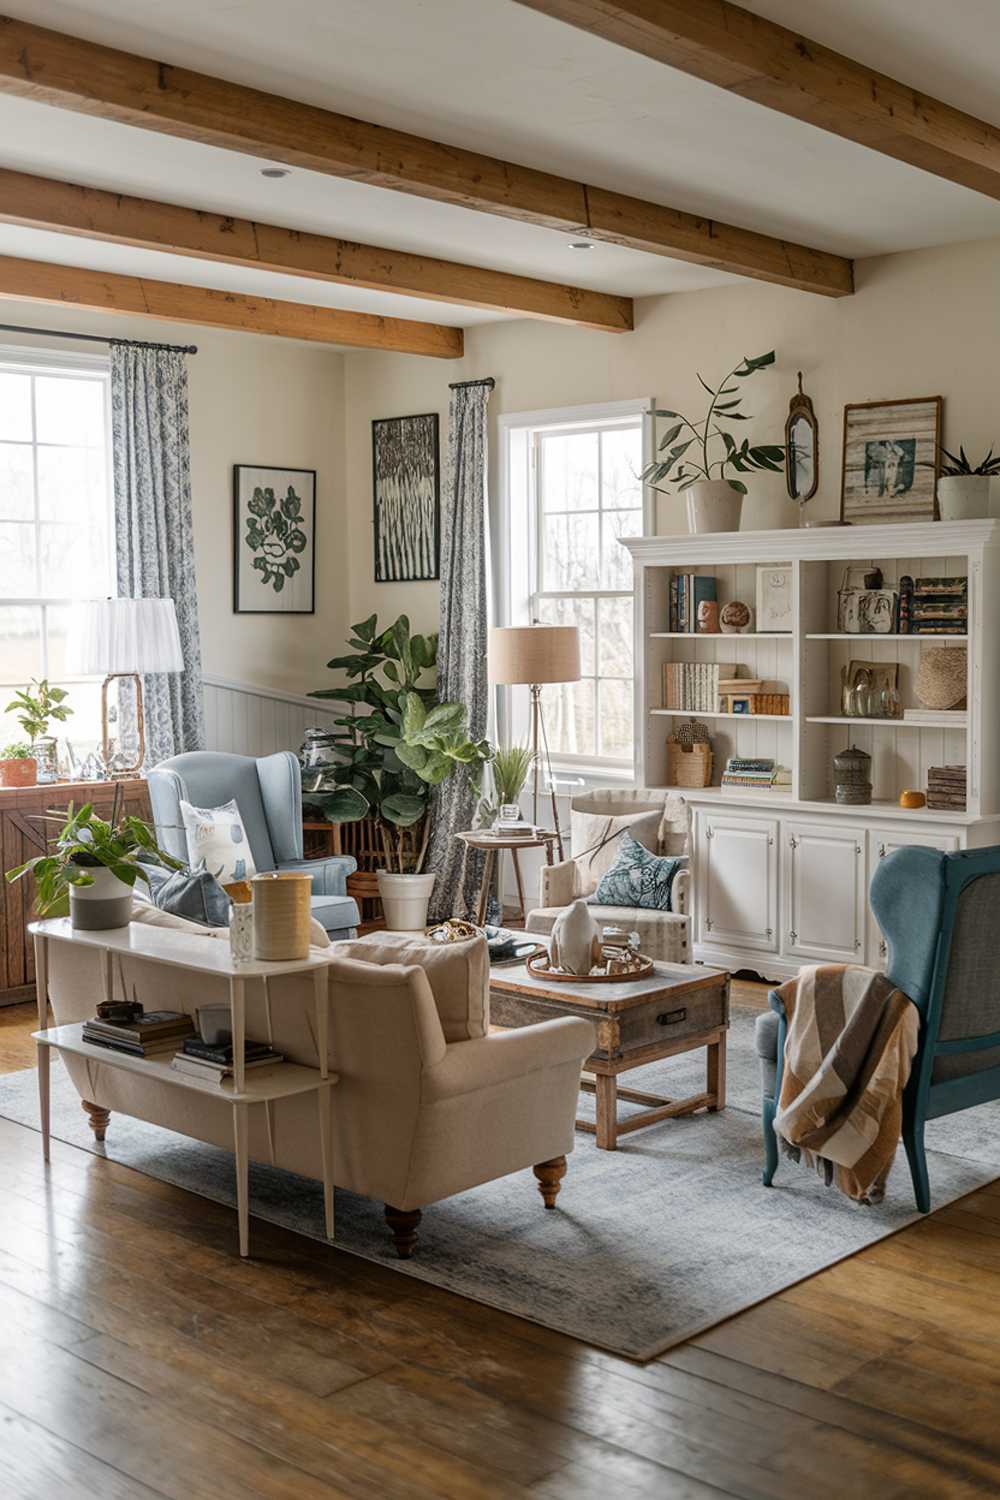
532, 656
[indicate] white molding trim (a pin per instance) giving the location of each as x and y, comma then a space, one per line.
278, 694
898, 539
559, 416
48, 357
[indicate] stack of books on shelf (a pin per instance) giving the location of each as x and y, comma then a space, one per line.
750, 695
694, 686
933, 606
147, 1035
954, 718
213, 1061
513, 828
946, 787
756, 771
687, 591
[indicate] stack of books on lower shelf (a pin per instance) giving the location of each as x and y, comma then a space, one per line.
744, 770
152, 1034
213, 1061
946, 787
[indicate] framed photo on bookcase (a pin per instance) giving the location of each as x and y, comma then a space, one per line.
891, 461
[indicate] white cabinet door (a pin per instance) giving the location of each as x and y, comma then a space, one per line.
737, 860
823, 898
882, 841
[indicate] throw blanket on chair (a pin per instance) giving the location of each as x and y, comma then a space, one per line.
850, 1042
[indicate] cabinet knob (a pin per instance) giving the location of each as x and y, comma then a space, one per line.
881, 851
768, 933
857, 944
708, 924
793, 842
793, 937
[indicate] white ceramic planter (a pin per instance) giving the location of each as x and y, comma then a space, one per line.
404, 900
106, 903
713, 505
964, 497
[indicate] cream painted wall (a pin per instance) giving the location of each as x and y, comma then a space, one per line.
252, 400
920, 323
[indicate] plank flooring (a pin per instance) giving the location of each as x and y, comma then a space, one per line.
140, 1358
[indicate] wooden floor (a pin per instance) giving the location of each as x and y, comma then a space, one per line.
139, 1357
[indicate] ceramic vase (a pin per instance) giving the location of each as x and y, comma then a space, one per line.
576, 941
963, 497
713, 505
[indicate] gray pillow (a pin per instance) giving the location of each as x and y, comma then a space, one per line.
638, 878
194, 894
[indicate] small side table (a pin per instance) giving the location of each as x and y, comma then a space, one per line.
494, 846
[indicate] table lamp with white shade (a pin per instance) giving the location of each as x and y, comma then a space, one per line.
534, 655
125, 638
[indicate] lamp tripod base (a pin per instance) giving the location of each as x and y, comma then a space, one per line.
538, 734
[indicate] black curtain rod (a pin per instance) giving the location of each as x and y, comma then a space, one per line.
462, 385
97, 338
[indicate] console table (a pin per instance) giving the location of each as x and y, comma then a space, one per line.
22, 836
194, 954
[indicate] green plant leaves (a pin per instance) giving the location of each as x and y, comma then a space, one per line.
403, 810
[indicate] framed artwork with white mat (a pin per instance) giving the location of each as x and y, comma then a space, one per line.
274, 540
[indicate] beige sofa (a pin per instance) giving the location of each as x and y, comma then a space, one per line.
428, 1103
659, 820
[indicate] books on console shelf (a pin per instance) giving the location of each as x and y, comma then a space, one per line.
942, 716
201, 1067
512, 829
148, 1035
946, 787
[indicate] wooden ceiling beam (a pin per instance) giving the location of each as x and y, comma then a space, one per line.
757, 59
53, 68
105, 291
42, 203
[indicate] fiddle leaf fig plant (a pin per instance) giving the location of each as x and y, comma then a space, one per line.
683, 467
396, 743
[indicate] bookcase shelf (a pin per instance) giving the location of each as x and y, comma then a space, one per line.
722, 635
704, 713
870, 638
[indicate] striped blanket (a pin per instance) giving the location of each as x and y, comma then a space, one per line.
851, 1040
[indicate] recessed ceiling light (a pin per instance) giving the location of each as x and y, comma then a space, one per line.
275, 171
581, 244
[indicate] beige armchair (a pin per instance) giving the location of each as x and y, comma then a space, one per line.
428, 1103
659, 820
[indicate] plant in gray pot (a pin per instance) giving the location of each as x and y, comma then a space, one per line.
963, 490
91, 867
713, 503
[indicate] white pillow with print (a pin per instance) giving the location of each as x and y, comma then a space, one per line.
216, 838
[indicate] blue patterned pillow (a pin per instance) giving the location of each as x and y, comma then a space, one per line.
637, 878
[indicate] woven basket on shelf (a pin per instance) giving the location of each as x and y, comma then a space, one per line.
688, 765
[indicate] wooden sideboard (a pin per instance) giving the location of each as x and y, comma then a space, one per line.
22, 835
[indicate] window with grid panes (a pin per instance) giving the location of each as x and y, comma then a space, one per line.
56, 532
587, 495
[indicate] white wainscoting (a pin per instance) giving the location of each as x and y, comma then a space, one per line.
253, 720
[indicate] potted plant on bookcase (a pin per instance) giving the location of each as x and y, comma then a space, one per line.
964, 489
396, 745
18, 766
713, 503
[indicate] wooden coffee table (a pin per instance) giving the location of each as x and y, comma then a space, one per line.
677, 1008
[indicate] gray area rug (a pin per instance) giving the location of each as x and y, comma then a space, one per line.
651, 1244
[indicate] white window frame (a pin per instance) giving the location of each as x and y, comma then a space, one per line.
517, 528
26, 361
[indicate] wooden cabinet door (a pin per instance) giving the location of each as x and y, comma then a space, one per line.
737, 863
823, 896
882, 841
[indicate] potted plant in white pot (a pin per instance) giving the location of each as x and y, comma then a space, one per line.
396, 745
713, 503
91, 867
18, 766
963, 490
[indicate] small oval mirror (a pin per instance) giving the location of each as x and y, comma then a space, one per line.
802, 445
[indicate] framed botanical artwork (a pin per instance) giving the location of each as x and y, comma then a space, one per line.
407, 498
891, 461
774, 599
274, 540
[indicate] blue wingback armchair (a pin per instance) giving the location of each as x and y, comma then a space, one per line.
939, 915
268, 793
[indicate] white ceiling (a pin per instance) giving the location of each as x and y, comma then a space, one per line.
496, 77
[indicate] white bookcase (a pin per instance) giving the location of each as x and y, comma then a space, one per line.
781, 874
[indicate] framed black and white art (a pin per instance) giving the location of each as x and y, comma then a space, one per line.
891, 461
274, 540
407, 498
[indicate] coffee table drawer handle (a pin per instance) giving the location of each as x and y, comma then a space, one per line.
671, 1017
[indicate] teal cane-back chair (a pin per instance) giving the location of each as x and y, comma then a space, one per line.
940, 916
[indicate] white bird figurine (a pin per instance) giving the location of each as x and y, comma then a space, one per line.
576, 940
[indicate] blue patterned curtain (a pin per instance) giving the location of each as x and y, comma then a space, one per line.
155, 545
462, 639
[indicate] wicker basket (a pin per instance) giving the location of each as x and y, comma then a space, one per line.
688, 765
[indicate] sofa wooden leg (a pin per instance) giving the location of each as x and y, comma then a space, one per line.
97, 1117
550, 1175
403, 1223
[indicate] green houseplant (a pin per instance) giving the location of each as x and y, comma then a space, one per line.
90, 867
509, 771
695, 452
33, 707
395, 744
18, 766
